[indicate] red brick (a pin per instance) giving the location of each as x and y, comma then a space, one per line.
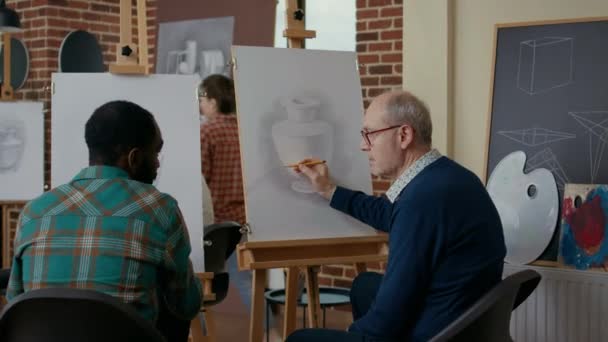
63, 3
373, 92
370, 81
343, 283
399, 45
391, 12
79, 4
361, 26
382, 69
332, 270
324, 281
380, 46
100, 7
65, 13
377, 3
367, 36
361, 4
21, 4
392, 58
90, 16
350, 273
361, 47
59, 23
380, 24
368, 13
395, 34
398, 22
368, 59
362, 70
398, 69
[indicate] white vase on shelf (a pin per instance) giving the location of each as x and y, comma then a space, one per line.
302, 135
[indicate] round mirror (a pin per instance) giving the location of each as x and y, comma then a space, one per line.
20, 63
80, 52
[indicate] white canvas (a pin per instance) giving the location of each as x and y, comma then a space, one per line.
21, 150
171, 99
269, 84
199, 46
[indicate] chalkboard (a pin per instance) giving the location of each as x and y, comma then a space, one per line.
550, 100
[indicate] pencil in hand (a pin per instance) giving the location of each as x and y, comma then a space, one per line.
306, 163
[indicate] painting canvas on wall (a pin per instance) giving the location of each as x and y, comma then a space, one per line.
21, 151
173, 102
294, 104
199, 46
583, 242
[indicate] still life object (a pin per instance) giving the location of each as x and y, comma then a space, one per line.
12, 144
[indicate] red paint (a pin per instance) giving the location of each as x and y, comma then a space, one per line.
587, 223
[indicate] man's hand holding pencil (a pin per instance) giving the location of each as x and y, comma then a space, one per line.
318, 173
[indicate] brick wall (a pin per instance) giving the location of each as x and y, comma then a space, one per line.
45, 24
380, 51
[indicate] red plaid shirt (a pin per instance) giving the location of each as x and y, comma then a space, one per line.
221, 160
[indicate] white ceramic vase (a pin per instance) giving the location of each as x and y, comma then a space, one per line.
302, 135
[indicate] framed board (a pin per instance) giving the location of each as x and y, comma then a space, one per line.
549, 100
294, 104
21, 150
171, 99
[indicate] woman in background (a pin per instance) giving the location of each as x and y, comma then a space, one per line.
221, 161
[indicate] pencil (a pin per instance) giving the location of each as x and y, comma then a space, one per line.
308, 163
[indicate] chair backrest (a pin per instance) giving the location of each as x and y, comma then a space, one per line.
220, 241
488, 319
68, 314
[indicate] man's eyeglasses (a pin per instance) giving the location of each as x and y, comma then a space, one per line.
365, 134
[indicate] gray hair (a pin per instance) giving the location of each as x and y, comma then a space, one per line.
404, 108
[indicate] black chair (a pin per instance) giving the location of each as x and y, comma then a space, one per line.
488, 319
220, 241
71, 315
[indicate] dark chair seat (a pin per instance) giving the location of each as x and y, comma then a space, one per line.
73, 315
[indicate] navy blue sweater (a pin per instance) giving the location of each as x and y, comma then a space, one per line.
446, 249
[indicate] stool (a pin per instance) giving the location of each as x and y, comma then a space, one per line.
328, 297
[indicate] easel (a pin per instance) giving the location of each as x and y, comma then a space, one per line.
132, 59
260, 256
6, 91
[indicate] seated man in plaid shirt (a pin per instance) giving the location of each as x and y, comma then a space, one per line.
110, 229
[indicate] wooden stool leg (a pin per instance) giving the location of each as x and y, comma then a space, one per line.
291, 294
256, 326
312, 289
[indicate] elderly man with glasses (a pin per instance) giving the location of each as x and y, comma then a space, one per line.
446, 246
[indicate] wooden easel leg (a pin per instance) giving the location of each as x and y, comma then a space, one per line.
256, 327
314, 306
291, 296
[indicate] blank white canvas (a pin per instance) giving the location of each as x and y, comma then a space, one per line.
21, 151
171, 99
266, 76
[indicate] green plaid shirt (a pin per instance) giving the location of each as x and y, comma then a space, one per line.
106, 232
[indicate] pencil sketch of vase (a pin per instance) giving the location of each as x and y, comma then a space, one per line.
12, 144
302, 135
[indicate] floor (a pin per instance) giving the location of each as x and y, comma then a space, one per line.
232, 320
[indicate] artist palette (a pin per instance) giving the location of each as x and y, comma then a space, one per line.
528, 205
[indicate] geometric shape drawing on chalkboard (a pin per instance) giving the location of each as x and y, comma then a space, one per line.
536, 136
596, 123
12, 144
545, 63
546, 159
80, 52
20, 63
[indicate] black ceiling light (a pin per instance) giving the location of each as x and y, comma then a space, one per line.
9, 19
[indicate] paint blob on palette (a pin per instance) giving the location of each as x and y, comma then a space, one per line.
584, 244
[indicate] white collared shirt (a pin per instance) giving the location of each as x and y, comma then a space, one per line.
406, 177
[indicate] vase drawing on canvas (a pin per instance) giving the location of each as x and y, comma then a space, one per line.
12, 144
302, 134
